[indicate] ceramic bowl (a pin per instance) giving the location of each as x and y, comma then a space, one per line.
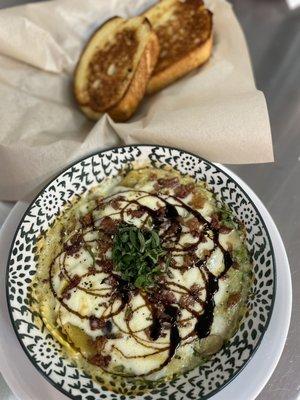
45, 353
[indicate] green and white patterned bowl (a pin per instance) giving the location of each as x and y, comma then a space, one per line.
45, 353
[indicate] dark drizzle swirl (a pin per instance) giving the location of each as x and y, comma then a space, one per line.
160, 300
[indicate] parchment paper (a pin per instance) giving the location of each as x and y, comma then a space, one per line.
215, 111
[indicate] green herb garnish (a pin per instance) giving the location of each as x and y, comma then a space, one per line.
136, 253
227, 218
241, 255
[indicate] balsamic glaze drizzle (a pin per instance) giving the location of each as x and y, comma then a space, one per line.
166, 219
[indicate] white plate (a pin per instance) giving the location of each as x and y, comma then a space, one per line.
27, 383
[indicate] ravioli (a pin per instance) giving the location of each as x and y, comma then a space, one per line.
183, 314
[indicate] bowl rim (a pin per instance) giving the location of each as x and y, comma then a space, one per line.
219, 168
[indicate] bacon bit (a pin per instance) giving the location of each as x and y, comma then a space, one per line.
160, 300
160, 313
106, 265
100, 202
100, 360
197, 201
168, 182
87, 220
100, 343
115, 202
154, 298
46, 280
215, 222
194, 226
225, 229
152, 176
173, 229
160, 212
203, 239
92, 271
76, 242
72, 284
136, 213
189, 260
76, 238
96, 323
167, 297
233, 299
104, 244
206, 253
182, 191
195, 291
108, 225
186, 301
172, 262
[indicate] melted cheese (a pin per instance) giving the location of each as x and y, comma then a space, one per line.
129, 345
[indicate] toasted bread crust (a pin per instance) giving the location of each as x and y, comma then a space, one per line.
91, 114
114, 91
81, 95
184, 30
180, 68
129, 103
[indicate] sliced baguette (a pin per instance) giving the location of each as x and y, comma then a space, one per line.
184, 31
115, 67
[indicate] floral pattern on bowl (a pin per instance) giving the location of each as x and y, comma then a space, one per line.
44, 352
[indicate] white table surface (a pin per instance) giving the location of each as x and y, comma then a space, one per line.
273, 35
